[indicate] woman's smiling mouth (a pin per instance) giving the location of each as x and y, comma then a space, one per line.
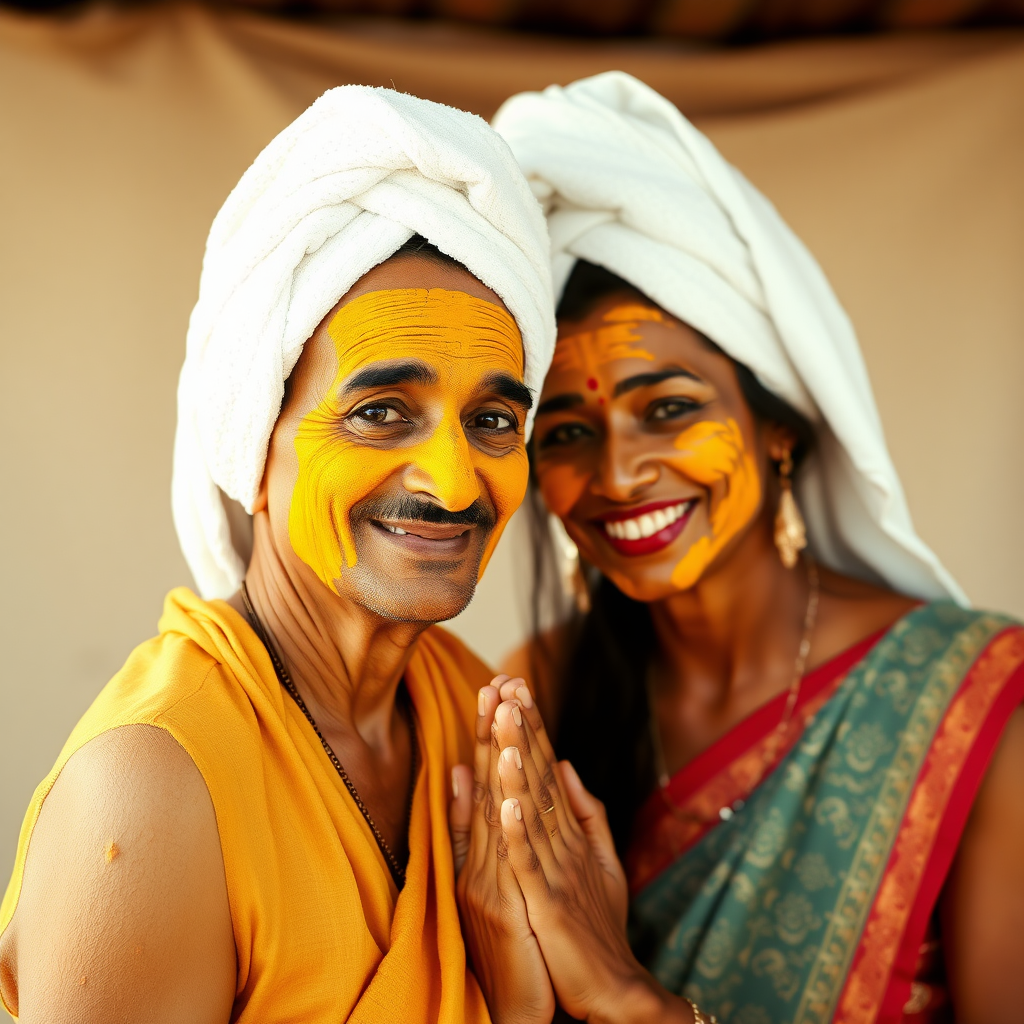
649, 528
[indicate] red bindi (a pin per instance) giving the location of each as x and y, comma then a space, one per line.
592, 383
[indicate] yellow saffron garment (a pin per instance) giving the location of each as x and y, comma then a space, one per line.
321, 932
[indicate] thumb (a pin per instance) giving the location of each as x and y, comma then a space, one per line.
460, 814
593, 819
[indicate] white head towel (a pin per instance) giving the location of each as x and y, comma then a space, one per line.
335, 194
629, 184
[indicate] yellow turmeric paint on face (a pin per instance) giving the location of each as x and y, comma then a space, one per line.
589, 350
709, 453
460, 338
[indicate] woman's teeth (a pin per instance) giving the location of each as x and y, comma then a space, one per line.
645, 525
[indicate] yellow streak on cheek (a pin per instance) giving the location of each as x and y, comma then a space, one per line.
506, 479
708, 454
333, 475
462, 338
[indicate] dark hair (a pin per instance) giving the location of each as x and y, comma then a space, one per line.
604, 727
419, 246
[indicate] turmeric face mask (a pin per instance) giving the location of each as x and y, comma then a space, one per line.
712, 455
417, 365
651, 504
587, 355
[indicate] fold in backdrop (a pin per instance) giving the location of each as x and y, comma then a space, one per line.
898, 159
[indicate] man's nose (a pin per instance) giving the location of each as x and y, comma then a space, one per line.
442, 468
625, 469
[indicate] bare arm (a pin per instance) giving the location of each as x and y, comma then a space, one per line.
983, 906
123, 913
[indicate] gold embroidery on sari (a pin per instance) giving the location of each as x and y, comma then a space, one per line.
857, 895
880, 942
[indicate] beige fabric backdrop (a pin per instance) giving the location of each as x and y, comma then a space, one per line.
900, 160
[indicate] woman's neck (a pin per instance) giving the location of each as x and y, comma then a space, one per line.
729, 644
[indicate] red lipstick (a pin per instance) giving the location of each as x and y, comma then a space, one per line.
647, 528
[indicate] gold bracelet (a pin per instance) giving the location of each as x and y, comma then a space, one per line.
699, 1016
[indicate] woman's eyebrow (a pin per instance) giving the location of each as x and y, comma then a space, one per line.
560, 403
644, 380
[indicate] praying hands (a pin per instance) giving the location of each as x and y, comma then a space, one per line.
541, 891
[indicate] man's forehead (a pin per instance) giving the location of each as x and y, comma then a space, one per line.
434, 326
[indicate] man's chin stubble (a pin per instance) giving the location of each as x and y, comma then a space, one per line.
389, 597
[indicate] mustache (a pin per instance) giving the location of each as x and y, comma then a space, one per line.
409, 508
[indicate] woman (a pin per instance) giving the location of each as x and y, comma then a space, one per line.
810, 757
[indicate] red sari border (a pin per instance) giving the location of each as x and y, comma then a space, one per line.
673, 819
879, 981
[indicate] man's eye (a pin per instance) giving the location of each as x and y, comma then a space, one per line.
567, 433
672, 408
378, 414
493, 421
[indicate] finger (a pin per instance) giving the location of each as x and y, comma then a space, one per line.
513, 729
540, 828
510, 892
509, 686
485, 825
460, 814
532, 714
521, 855
593, 819
487, 701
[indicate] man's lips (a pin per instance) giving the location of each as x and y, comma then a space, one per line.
426, 538
648, 528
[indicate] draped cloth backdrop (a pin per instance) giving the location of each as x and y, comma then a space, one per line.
899, 160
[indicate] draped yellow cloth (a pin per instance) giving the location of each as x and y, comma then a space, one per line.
321, 932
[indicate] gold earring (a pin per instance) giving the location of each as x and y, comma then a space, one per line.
574, 583
790, 529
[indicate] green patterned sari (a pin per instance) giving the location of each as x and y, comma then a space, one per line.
807, 900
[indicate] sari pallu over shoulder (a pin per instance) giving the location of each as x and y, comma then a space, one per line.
810, 902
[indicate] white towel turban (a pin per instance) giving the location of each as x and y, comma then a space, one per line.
629, 184
335, 194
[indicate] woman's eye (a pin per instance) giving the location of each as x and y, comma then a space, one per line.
672, 408
378, 415
567, 433
493, 421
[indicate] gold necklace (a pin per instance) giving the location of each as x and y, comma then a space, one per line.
778, 735
394, 866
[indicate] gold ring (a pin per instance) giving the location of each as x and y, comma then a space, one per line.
548, 810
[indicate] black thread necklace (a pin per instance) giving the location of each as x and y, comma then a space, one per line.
397, 869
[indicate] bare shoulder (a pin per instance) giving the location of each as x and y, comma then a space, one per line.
123, 912
852, 610
541, 661
983, 905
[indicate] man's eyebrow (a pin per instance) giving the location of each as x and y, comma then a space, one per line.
389, 375
560, 403
645, 380
506, 386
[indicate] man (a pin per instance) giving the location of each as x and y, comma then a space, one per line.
250, 823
